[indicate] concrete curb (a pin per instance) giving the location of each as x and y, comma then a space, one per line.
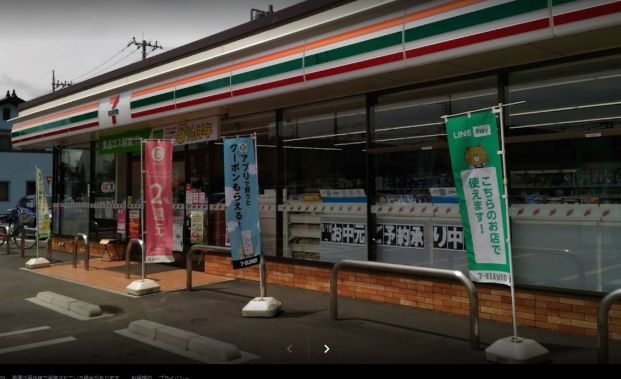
185, 343
68, 306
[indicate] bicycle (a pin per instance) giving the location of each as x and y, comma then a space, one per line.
14, 220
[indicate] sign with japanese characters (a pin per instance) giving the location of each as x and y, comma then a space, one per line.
344, 233
43, 215
241, 192
122, 142
400, 235
121, 223
477, 170
158, 202
134, 223
448, 237
196, 226
203, 130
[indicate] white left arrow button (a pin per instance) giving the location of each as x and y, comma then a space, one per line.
289, 349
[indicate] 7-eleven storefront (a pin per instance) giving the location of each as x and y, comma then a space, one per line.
346, 99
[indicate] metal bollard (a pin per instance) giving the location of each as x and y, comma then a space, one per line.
84, 239
23, 241
128, 251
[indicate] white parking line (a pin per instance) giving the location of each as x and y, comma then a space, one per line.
24, 331
36, 344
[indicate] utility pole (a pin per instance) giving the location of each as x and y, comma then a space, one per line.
57, 83
257, 13
144, 44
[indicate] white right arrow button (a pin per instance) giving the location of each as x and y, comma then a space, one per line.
327, 349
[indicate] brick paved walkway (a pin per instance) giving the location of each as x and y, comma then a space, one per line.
110, 275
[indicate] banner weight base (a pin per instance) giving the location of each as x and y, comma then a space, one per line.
37, 263
262, 307
511, 351
143, 287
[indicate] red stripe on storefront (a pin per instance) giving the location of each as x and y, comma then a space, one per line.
203, 100
601, 10
270, 85
60, 131
478, 38
395, 57
154, 111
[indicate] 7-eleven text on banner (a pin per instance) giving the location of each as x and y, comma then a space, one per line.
158, 201
241, 189
477, 169
43, 216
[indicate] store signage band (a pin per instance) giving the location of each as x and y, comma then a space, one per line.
123, 142
203, 130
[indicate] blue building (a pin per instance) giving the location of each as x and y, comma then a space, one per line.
17, 172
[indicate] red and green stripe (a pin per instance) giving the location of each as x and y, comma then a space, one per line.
55, 124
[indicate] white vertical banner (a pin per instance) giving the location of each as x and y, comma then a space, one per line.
43, 215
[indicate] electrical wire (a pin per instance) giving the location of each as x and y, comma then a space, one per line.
117, 62
101, 64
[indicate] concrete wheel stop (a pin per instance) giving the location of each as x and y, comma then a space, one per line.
68, 306
185, 343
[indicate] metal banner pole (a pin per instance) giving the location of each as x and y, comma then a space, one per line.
507, 218
142, 221
262, 268
36, 213
512, 349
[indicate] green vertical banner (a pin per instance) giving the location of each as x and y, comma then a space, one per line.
477, 169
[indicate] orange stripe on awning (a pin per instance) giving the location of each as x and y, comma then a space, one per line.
313, 45
26, 124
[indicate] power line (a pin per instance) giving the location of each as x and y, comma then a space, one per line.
101, 64
117, 62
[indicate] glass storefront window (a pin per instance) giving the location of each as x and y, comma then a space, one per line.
325, 164
412, 166
565, 174
103, 189
74, 189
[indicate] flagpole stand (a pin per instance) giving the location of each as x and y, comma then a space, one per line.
262, 306
143, 287
37, 263
515, 351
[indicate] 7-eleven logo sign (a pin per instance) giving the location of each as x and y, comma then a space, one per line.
114, 111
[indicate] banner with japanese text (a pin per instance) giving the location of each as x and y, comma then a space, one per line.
158, 201
477, 169
241, 188
43, 214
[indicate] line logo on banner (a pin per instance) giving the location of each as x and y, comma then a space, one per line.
241, 189
158, 202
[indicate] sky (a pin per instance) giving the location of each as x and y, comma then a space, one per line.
74, 37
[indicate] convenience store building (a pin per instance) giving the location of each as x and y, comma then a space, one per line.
346, 99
